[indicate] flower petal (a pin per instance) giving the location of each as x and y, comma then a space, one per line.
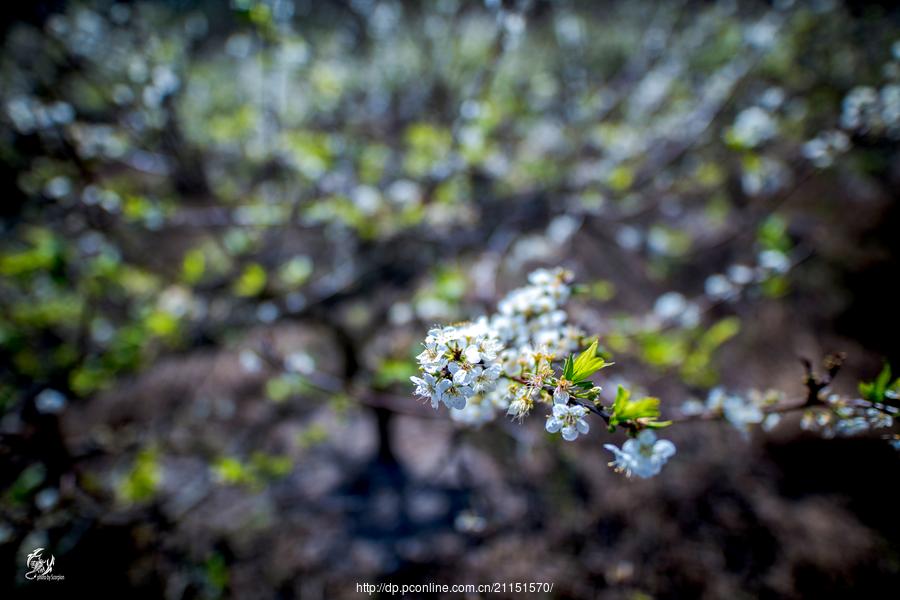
454, 401
472, 354
664, 449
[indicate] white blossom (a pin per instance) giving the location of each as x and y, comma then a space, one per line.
428, 386
481, 408
458, 362
741, 413
50, 401
643, 456
825, 147
868, 110
846, 417
753, 126
250, 361
568, 419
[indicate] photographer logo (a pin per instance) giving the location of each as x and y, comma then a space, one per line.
40, 569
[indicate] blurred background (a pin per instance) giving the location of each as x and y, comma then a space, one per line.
226, 228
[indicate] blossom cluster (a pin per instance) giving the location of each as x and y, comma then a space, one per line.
843, 417
534, 317
752, 126
518, 342
741, 411
825, 147
868, 110
521, 357
729, 285
458, 362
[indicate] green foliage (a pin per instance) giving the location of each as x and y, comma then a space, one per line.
251, 282
312, 436
295, 272
270, 466
216, 571
602, 290
162, 324
444, 289
312, 152
661, 349
620, 178
393, 370
697, 368
689, 351
285, 386
230, 470
670, 241
881, 389
372, 160
450, 283
427, 145
193, 266
773, 234
775, 286
233, 126
626, 411
43, 255
26, 483
142, 482
580, 368
255, 473
259, 14
88, 378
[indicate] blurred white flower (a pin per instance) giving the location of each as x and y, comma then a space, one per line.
643, 456
774, 260
250, 361
718, 287
50, 402
752, 127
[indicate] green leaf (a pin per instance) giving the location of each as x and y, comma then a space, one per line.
193, 265
216, 570
865, 390
639, 409
142, 482
622, 396
251, 282
586, 364
393, 370
28, 481
625, 409
875, 391
296, 271
882, 381
231, 471
567, 370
